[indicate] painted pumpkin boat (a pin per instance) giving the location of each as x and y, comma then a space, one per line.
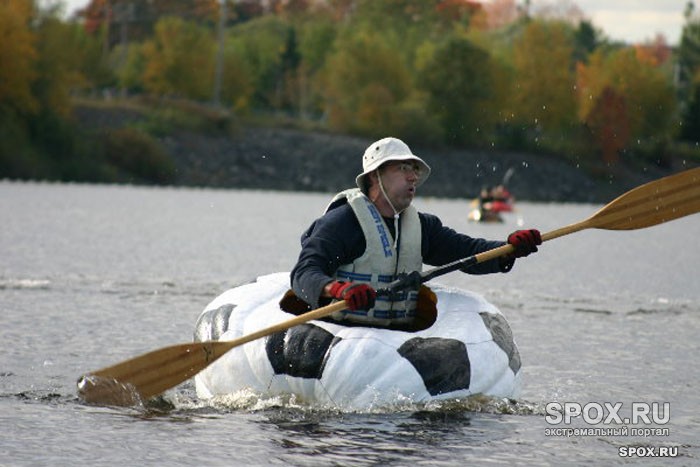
466, 347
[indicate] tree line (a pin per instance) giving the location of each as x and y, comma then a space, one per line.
459, 73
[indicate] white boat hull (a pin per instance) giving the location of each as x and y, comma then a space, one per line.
468, 350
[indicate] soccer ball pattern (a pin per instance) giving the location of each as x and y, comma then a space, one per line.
468, 350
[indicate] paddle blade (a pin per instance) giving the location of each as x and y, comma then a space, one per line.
140, 378
650, 204
133, 381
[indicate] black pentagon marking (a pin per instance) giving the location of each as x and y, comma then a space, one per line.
214, 320
442, 363
301, 351
503, 337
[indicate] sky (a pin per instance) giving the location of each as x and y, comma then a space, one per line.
636, 20
631, 21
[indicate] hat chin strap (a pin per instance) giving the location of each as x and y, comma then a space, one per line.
396, 213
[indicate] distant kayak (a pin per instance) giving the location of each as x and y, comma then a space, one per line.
468, 349
489, 211
477, 215
498, 206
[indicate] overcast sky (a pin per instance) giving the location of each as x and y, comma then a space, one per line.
635, 20
627, 20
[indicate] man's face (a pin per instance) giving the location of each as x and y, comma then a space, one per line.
400, 179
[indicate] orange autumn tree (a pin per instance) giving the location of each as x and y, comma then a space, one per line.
624, 100
656, 52
609, 124
39, 62
17, 56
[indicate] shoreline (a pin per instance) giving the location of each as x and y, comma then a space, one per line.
295, 160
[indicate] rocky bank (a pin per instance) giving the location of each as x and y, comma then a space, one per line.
294, 160
255, 157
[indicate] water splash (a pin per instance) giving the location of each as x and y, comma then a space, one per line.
247, 400
107, 391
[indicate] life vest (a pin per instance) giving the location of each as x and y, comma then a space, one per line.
382, 261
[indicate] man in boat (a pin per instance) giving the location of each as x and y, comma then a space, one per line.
370, 235
491, 203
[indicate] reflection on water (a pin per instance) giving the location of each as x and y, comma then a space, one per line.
91, 276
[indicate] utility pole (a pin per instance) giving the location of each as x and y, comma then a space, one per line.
123, 39
216, 100
107, 18
124, 14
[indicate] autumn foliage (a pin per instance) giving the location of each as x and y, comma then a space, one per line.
463, 73
18, 57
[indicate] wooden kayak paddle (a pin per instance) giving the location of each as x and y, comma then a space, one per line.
135, 380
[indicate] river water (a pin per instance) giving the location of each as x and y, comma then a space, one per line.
92, 275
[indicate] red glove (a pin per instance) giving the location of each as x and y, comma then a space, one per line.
358, 296
525, 242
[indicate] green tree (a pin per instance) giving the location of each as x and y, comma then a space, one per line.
690, 130
238, 84
17, 102
689, 51
131, 72
403, 25
58, 65
392, 14
689, 75
316, 39
544, 86
262, 43
586, 40
364, 83
36, 136
92, 65
179, 60
459, 82
136, 20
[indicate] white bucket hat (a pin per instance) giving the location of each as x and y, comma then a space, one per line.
385, 150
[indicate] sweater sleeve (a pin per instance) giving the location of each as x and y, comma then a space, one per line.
331, 241
442, 245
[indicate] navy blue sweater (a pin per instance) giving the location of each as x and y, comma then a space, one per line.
336, 238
